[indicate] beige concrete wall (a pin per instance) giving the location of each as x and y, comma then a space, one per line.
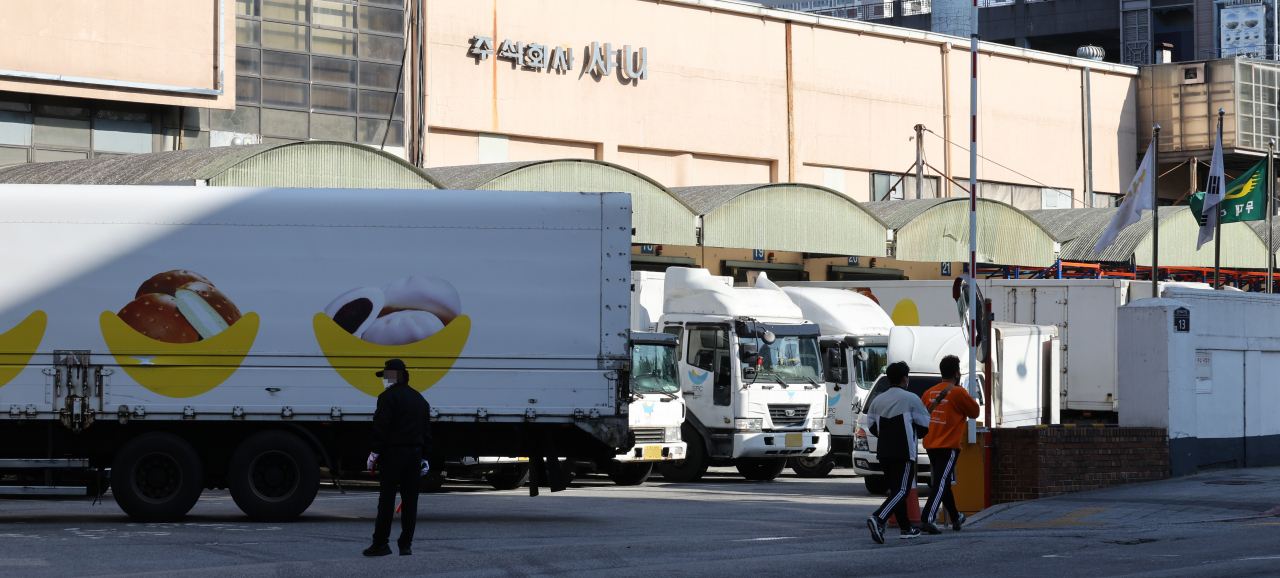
163, 42
714, 107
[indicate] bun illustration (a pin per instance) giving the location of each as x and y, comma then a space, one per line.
404, 311
424, 294
403, 327
179, 307
356, 309
169, 282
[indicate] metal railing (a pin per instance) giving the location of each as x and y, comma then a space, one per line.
1255, 51
883, 10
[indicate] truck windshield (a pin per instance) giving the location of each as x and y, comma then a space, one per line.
792, 358
866, 372
653, 369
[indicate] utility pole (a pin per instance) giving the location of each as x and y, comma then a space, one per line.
1271, 207
1155, 212
919, 161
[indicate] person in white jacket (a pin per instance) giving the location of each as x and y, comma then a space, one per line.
898, 419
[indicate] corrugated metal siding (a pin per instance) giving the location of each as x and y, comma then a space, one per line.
1241, 246
1006, 236
789, 217
658, 217
326, 165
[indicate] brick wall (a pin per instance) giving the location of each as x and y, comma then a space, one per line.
1035, 463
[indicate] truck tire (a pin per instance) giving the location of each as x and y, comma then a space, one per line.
273, 476
512, 478
760, 469
157, 477
695, 462
876, 485
812, 467
630, 474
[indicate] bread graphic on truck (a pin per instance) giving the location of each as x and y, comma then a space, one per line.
418, 320
180, 336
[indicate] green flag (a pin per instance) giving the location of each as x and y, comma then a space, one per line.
1246, 198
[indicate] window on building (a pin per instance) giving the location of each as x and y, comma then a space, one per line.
895, 187
35, 128
320, 70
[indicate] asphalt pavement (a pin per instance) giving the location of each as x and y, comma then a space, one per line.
1218, 524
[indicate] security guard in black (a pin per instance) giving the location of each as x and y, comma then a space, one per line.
401, 436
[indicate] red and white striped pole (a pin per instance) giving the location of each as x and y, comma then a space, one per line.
973, 207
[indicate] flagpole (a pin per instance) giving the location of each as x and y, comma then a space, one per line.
1217, 223
1271, 192
1155, 212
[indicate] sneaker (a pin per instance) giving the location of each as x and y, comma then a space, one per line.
907, 535
406, 551
930, 528
958, 523
877, 531
378, 550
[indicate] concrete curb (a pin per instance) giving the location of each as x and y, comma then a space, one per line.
993, 510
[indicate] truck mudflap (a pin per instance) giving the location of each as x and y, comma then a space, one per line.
654, 452
781, 444
611, 431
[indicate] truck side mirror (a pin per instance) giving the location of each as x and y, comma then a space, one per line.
842, 376
860, 354
749, 351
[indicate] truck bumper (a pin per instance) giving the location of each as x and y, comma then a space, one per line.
654, 452
778, 445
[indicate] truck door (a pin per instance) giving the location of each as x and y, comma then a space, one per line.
707, 370
1040, 306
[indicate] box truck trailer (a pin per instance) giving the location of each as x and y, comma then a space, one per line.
192, 338
749, 373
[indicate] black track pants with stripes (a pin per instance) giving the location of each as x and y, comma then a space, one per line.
942, 464
901, 477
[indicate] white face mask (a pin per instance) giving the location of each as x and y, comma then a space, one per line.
387, 383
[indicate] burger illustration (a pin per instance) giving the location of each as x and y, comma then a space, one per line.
180, 336
418, 319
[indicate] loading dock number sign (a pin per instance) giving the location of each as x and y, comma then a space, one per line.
1181, 320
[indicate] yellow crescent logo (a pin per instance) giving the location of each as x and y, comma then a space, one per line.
1243, 190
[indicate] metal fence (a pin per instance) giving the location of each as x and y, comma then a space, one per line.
883, 10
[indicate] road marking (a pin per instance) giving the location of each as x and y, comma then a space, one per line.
23, 562
766, 539
1261, 524
1262, 558
1072, 519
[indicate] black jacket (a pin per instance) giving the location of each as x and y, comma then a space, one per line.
403, 419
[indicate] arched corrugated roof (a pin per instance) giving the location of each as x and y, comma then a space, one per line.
659, 217
938, 230
311, 164
1080, 229
785, 217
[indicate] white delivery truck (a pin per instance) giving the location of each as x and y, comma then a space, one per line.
1083, 310
749, 373
188, 338
854, 342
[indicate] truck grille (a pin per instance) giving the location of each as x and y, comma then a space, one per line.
647, 435
779, 414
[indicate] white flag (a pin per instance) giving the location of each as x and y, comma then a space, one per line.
1213, 194
1140, 197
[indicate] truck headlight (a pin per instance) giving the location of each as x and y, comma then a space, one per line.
671, 434
749, 424
860, 440
818, 423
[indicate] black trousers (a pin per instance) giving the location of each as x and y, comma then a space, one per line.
901, 477
401, 468
942, 463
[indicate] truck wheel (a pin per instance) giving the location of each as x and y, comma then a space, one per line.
630, 474
695, 462
761, 469
273, 476
876, 485
812, 467
157, 477
511, 478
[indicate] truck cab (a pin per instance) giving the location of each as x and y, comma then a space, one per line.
922, 348
656, 409
854, 342
750, 374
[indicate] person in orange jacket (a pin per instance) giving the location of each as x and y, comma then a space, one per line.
949, 405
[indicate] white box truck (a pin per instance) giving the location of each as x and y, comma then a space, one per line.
854, 343
191, 338
1083, 310
749, 373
